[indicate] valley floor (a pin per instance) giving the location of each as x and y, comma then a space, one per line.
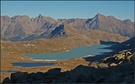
8, 58
12, 52
117, 68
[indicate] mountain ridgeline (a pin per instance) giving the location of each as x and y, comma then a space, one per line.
20, 28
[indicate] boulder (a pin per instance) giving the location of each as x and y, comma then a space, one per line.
54, 71
113, 64
132, 59
17, 75
105, 59
6, 80
38, 76
41, 76
79, 72
128, 53
120, 56
103, 65
24, 79
93, 64
86, 74
120, 62
109, 60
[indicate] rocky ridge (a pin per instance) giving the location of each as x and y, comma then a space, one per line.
127, 45
24, 28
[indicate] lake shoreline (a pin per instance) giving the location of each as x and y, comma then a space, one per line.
78, 52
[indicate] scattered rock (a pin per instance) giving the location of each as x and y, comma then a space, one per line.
128, 53
93, 64
109, 60
103, 65
120, 56
113, 64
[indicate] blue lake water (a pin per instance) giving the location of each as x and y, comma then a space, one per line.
31, 64
10, 71
77, 52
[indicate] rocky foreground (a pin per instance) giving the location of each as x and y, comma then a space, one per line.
118, 68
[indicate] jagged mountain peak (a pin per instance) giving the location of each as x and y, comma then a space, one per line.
63, 29
39, 15
110, 16
20, 16
42, 19
98, 16
5, 18
127, 21
96, 19
58, 31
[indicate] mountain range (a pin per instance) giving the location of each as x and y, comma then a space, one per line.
20, 28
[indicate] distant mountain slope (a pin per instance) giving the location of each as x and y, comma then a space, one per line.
19, 28
68, 32
104, 23
126, 45
63, 30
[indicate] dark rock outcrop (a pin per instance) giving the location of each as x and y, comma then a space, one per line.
126, 45
58, 31
54, 72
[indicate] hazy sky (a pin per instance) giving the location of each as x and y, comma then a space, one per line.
69, 9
